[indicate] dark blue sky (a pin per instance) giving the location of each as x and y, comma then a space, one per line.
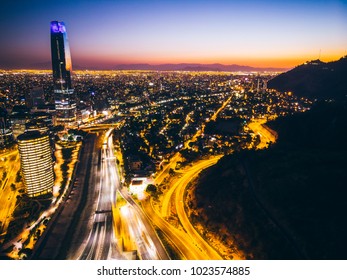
104, 33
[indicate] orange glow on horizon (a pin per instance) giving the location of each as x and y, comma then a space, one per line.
290, 61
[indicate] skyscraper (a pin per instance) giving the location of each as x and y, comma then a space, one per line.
5, 130
35, 97
36, 163
65, 104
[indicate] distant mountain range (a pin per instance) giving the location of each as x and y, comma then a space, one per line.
196, 67
315, 79
170, 67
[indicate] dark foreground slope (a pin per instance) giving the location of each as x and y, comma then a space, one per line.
289, 201
315, 79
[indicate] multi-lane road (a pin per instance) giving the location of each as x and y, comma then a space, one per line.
267, 135
187, 240
94, 237
102, 240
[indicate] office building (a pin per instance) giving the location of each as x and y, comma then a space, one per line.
35, 98
36, 163
5, 128
65, 103
19, 117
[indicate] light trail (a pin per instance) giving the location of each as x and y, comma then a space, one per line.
182, 215
188, 238
99, 244
179, 238
266, 135
200, 249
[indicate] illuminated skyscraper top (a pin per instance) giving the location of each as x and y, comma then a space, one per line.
61, 64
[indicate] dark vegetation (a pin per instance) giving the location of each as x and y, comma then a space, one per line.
67, 156
27, 211
298, 183
230, 127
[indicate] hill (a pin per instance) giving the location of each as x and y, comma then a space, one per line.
315, 79
286, 202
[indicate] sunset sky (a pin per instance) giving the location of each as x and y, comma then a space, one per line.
105, 33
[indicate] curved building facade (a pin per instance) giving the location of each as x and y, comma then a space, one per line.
36, 163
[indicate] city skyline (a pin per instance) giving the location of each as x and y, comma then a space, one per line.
105, 34
132, 177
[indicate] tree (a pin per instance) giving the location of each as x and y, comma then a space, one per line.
25, 253
257, 140
152, 189
18, 177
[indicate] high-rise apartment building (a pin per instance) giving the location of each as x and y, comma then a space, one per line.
35, 97
65, 103
36, 163
5, 129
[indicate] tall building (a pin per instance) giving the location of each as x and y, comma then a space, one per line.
35, 97
65, 103
5, 129
19, 117
36, 163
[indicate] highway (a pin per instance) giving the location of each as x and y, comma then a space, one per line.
138, 235
149, 246
163, 173
266, 135
188, 175
101, 242
101, 239
143, 231
181, 213
187, 250
187, 241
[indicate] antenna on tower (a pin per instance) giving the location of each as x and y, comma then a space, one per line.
320, 50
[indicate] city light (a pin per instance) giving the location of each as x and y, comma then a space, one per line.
185, 161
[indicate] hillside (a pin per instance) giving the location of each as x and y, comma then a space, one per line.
315, 79
287, 202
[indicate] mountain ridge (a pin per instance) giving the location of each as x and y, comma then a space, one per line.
170, 67
196, 67
314, 79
